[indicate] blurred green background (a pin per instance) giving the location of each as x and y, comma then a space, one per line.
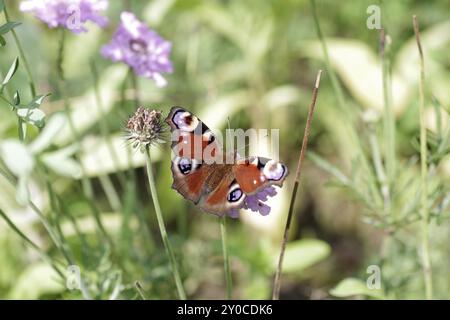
255, 62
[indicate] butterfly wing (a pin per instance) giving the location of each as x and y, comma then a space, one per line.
245, 178
188, 178
254, 174
190, 139
226, 195
215, 188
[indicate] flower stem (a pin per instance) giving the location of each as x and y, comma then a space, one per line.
226, 261
85, 183
162, 227
347, 112
42, 253
22, 55
426, 261
277, 281
388, 125
139, 290
107, 185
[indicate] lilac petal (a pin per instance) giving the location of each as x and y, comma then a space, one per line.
141, 48
234, 213
271, 191
69, 14
264, 209
252, 203
262, 195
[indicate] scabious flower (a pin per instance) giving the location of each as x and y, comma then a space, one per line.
256, 202
141, 48
145, 127
70, 14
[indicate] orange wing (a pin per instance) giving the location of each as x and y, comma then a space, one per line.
255, 173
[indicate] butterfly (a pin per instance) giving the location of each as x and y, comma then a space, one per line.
215, 186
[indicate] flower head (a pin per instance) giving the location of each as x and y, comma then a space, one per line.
70, 14
145, 127
141, 48
256, 202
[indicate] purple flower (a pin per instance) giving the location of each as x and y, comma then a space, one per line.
256, 203
141, 48
70, 14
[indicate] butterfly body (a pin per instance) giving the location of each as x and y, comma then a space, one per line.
203, 175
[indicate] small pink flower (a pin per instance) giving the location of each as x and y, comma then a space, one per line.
256, 202
69, 14
141, 48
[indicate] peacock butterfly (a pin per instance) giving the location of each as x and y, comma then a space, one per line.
201, 175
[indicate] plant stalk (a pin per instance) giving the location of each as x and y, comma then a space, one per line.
22, 56
226, 261
426, 260
162, 227
277, 281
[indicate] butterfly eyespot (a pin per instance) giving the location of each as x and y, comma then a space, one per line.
235, 195
185, 121
209, 137
185, 166
274, 170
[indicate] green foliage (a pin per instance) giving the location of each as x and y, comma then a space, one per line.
354, 287
71, 183
302, 254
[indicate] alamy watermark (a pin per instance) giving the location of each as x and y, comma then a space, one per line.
74, 19
374, 19
211, 146
73, 277
373, 282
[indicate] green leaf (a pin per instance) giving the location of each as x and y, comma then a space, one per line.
96, 157
2, 5
16, 156
2, 41
22, 192
60, 162
20, 162
37, 101
364, 78
51, 130
354, 287
37, 280
8, 26
155, 12
12, 70
84, 112
35, 117
16, 98
303, 254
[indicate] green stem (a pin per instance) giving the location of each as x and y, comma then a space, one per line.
162, 227
226, 261
42, 253
139, 290
277, 280
47, 226
347, 112
132, 176
22, 55
85, 183
426, 260
110, 192
51, 233
103, 123
379, 169
135, 85
334, 80
388, 121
